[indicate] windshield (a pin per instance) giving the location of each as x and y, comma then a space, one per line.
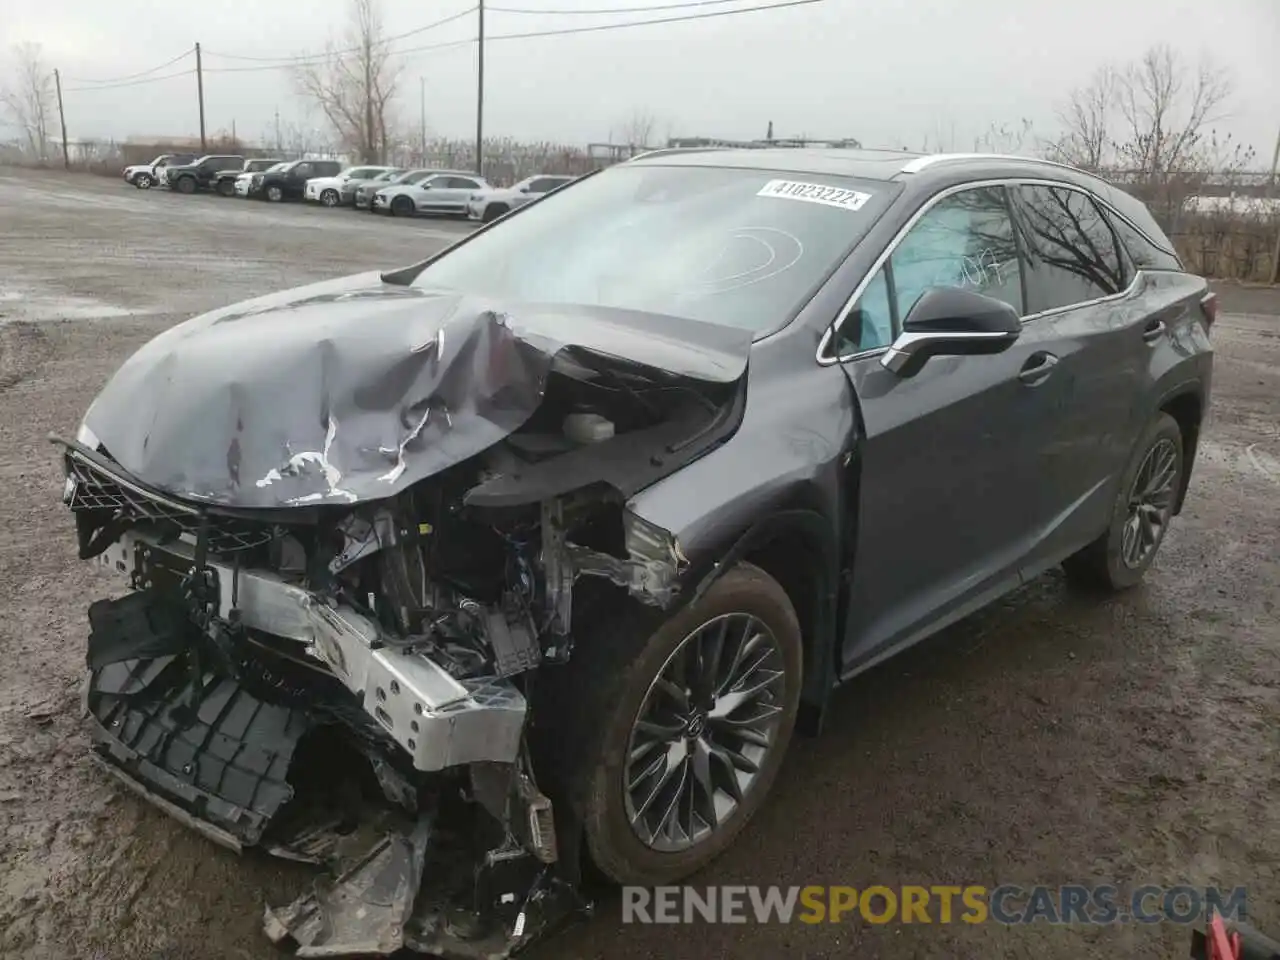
744, 248
276, 167
388, 175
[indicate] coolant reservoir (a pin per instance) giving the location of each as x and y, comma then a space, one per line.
587, 427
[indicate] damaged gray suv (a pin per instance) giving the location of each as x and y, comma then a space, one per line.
457, 578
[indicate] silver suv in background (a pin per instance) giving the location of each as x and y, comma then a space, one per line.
486, 205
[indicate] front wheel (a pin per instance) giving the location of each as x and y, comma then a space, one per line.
695, 722
227, 188
402, 207
1140, 517
492, 212
330, 198
186, 185
275, 194
144, 181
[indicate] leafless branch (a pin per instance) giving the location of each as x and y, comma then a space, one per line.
30, 99
354, 83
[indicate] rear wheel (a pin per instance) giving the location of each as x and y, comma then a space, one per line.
330, 198
695, 717
186, 185
493, 211
402, 207
1140, 517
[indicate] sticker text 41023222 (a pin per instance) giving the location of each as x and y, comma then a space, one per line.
814, 193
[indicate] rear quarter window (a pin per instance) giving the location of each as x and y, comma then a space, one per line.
1144, 254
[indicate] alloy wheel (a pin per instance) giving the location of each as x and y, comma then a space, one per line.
703, 731
329, 198
143, 182
274, 194
1150, 504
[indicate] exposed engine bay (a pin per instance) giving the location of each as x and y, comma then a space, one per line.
261, 650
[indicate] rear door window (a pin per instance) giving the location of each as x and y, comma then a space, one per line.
1070, 251
461, 183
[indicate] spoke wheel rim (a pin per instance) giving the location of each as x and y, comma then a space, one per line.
1150, 504
705, 729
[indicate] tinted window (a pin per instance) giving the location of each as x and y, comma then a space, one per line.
1070, 251
301, 170
743, 248
964, 240
1144, 254
461, 183
546, 184
326, 168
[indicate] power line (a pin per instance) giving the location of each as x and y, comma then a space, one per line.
131, 76
302, 63
604, 10
302, 58
131, 83
646, 23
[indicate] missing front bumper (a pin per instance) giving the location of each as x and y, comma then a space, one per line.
222, 759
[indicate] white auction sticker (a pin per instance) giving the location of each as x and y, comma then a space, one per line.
815, 193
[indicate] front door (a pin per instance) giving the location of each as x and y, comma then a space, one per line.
945, 460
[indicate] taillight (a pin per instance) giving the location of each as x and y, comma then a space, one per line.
1209, 304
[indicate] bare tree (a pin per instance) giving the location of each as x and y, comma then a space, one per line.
1149, 123
1087, 118
354, 83
637, 130
1004, 137
30, 99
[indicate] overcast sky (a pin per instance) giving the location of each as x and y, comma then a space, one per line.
888, 72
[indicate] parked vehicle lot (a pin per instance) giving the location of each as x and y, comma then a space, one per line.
1053, 739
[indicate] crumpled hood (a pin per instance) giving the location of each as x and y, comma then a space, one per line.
354, 389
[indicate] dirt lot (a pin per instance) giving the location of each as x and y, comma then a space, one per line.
1053, 739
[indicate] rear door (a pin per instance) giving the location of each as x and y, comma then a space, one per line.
295, 180
947, 454
459, 191
1081, 304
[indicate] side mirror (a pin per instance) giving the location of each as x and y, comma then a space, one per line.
951, 321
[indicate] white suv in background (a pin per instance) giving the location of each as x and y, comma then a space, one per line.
490, 204
329, 190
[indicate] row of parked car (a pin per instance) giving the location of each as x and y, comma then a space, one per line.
381, 189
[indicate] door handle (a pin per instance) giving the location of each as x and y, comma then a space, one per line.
1154, 330
1038, 367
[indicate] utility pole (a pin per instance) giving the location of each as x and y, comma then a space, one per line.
62, 119
279, 145
204, 147
480, 95
1275, 254
422, 122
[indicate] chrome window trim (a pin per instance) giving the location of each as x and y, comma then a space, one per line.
834, 328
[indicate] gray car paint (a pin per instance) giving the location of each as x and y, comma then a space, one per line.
916, 501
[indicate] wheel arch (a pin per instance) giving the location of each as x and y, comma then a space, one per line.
797, 546
1186, 405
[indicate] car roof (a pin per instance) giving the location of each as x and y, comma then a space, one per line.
887, 165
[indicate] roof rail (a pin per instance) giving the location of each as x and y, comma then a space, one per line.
920, 163
664, 151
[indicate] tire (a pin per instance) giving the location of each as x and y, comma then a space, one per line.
144, 181
185, 185
274, 193
227, 188
1111, 563
402, 207
330, 198
614, 671
493, 211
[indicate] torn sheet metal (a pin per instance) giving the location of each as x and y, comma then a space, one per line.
355, 389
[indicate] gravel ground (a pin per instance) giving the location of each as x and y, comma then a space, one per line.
1051, 739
